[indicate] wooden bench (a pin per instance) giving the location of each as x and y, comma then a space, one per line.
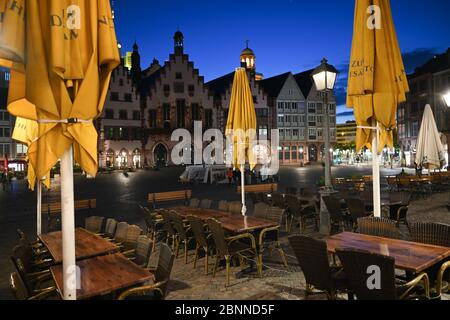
54, 209
155, 198
259, 188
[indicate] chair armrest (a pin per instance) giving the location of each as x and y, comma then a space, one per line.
263, 234
243, 236
129, 252
43, 294
142, 290
403, 208
444, 268
423, 277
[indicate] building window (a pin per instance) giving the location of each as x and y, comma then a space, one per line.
414, 107
5, 132
332, 108
178, 76
196, 112
152, 118
109, 114
294, 152
288, 106
262, 112
280, 106
123, 115
319, 107
4, 116
5, 149
181, 113
287, 153
295, 133
312, 121
109, 133
191, 90
320, 133
21, 149
281, 120
128, 97
295, 119
208, 119
302, 120
178, 87
7, 76
301, 107
114, 96
312, 134
136, 115
166, 89
166, 112
295, 106
414, 129
263, 130
311, 108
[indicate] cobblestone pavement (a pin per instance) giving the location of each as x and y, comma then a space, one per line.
119, 197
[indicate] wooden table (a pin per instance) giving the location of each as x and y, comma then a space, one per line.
409, 256
203, 214
103, 275
87, 245
240, 224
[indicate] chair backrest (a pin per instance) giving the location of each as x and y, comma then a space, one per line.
278, 200
379, 227
23, 253
430, 233
403, 197
291, 190
121, 231
194, 203
94, 224
178, 224
198, 228
235, 207
312, 255
19, 260
110, 227
218, 235
205, 204
274, 214
18, 287
260, 210
292, 203
371, 276
356, 207
167, 223
143, 249
164, 268
223, 205
133, 233
334, 208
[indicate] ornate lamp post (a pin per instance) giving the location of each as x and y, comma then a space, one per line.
324, 77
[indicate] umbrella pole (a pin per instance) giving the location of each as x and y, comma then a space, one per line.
244, 208
39, 207
376, 172
68, 226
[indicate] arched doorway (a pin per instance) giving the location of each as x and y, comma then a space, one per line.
160, 155
122, 159
137, 158
312, 153
110, 155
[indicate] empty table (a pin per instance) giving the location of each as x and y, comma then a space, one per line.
203, 214
240, 224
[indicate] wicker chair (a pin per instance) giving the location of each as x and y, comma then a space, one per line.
223, 205
206, 204
162, 273
399, 212
278, 201
202, 239
269, 237
260, 210
229, 247
183, 234
94, 224
235, 207
131, 239
21, 292
430, 233
143, 250
379, 227
169, 231
312, 255
194, 203
154, 223
37, 247
110, 228
292, 191
338, 217
121, 233
296, 212
359, 269
357, 209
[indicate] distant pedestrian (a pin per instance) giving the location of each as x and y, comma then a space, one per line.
230, 176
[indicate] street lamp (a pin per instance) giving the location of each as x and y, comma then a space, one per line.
324, 77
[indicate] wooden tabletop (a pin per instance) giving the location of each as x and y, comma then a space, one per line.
409, 256
203, 214
87, 245
240, 224
103, 275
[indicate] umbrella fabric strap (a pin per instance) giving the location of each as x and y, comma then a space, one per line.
69, 121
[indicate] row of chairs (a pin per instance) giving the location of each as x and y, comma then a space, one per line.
350, 276
234, 207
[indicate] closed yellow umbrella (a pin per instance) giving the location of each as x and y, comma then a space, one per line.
377, 80
60, 81
241, 126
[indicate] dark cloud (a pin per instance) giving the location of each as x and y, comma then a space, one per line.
345, 114
417, 57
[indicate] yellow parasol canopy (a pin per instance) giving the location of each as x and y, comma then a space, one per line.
241, 124
377, 79
62, 77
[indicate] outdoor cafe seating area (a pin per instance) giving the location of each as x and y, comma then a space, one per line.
117, 260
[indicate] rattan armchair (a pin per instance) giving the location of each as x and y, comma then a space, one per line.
154, 223
36, 248
194, 203
158, 290
339, 218
21, 292
183, 234
223, 205
169, 231
260, 210
357, 209
379, 227
94, 224
110, 228
297, 212
131, 239
430, 233
203, 240
269, 237
228, 247
143, 250
312, 255
399, 212
277, 200
206, 204
235, 207
121, 233
359, 267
